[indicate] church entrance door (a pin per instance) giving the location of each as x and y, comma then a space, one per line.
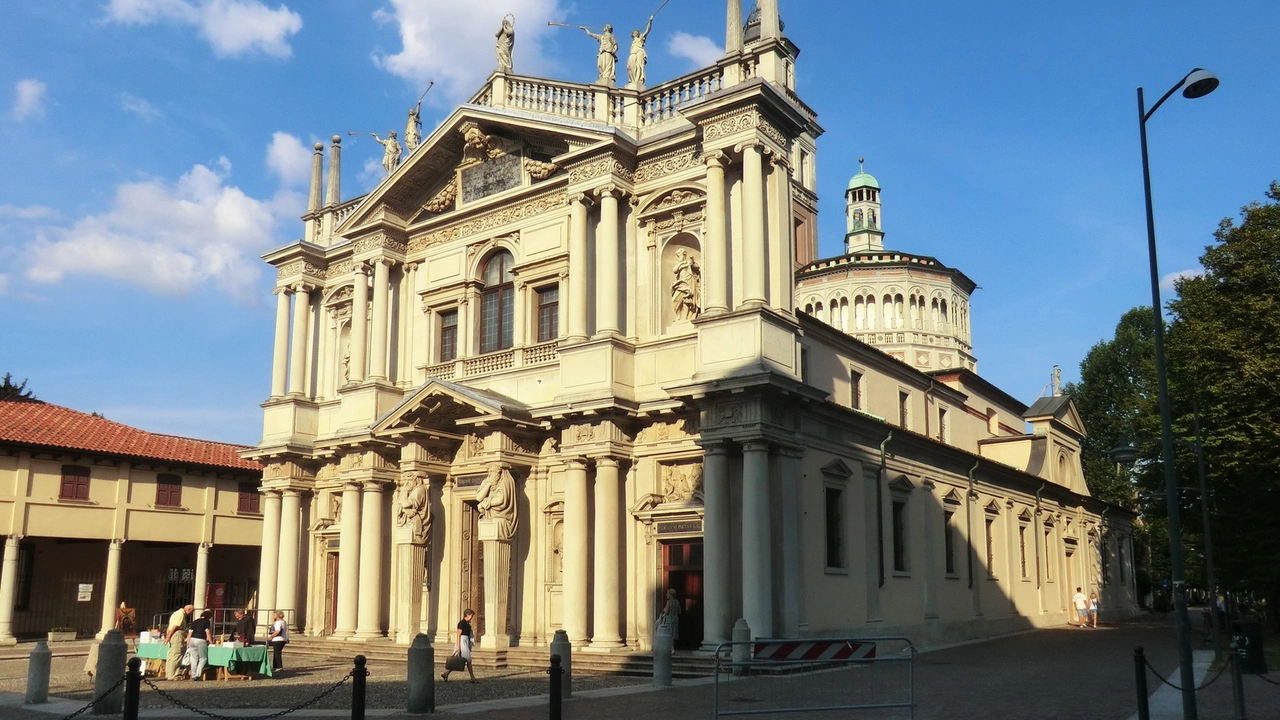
472, 569
682, 572
331, 585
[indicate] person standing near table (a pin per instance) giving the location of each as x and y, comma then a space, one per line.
277, 639
176, 639
198, 639
244, 628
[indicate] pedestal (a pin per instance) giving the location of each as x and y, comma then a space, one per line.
497, 587
408, 588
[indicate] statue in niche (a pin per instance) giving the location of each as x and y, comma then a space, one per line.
638, 57
346, 366
682, 483
686, 291
506, 42
496, 499
391, 151
607, 56
412, 507
412, 128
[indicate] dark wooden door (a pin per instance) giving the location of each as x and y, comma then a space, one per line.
331, 585
682, 572
472, 568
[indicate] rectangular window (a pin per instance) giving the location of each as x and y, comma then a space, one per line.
548, 313
904, 404
1120, 559
497, 318
249, 499
1048, 566
1106, 562
75, 483
804, 365
899, 535
26, 576
855, 390
942, 424
448, 336
168, 491
1022, 549
949, 540
835, 528
991, 546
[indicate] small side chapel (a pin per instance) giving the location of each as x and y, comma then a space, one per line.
553, 367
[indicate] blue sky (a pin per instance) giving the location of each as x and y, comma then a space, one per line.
153, 149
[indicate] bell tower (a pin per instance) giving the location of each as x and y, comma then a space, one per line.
863, 229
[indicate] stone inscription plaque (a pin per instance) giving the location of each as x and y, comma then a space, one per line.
490, 177
680, 526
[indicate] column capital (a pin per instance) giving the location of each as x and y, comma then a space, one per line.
290, 492
13, 540
608, 190
752, 144
204, 547
928, 484
116, 543
282, 290
302, 288
271, 493
607, 461
360, 267
756, 445
576, 462
581, 198
715, 158
715, 447
778, 159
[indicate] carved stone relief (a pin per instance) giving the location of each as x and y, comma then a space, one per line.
681, 482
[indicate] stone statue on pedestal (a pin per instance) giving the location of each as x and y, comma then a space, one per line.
607, 56
391, 151
638, 57
506, 43
496, 500
413, 509
686, 291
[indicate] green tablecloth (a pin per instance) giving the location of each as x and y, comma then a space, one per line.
153, 651
241, 659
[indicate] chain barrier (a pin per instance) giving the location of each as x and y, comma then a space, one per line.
280, 713
1175, 687
1265, 679
95, 700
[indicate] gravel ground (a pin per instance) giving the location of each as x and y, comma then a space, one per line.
304, 678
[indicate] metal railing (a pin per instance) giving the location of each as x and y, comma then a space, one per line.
781, 673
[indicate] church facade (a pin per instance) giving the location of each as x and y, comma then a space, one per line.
553, 366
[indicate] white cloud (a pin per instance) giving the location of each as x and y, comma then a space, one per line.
28, 99
170, 238
700, 50
28, 212
139, 107
452, 43
371, 175
1168, 281
289, 159
232, 27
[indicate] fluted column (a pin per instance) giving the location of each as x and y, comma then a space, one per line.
715, 268
716, 545
202, 577
576, 537
269, 565
8, 588
757, 531
381, 304
578, 268
348, 561
783, 232
359, 325
607, 270
370, 624
280, 351
111, 588
298, 351
605, 631
290, 539
755, 246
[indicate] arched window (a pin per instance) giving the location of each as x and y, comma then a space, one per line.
497, 303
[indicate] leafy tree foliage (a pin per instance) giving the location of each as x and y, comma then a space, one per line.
11, 391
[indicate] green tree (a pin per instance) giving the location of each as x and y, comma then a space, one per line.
11, 391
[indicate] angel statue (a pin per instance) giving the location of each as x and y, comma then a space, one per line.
391, 152
638, 57
607, 57
506, 43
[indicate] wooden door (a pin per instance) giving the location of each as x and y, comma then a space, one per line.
682, 571
331, 585
472, 568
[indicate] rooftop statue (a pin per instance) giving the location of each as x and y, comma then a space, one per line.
391, 151
607, 57
412, 135
638, 57
506, 43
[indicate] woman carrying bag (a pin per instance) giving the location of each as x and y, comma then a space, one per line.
461, 657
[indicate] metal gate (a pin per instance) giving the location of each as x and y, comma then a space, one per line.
814, 675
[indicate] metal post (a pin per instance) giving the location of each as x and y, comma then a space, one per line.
560, 646
556, 673
358, 689
111, 654
662, 643
132, 684
1208, 541
422, 676
1187, 674
38, 674
1237, 686
1140, 682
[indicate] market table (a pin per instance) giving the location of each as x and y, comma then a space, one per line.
155, 654
240, 658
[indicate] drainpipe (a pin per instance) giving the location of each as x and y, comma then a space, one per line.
969, 519
1039, 536
880, 505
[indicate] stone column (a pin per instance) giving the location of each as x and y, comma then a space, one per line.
359, 325
607, 272
348, 561
792, 558
755, 246
298, 351
381, 307
783, 242
280, 352
8, 588
716, 547
575, 568
497, 586
202, 577
608, 556
269, 565
757, 533
715, 268
290, 541
370, 622
578, 297
419, 349
111, 588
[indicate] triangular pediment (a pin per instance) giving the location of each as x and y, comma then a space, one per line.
901, 483
440, 406
837, 469
952, 498
993, 507
1059, 408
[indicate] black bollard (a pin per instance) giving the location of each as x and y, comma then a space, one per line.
132, 684
1237, 685
357, 689
560, 646
422, 676
111, 656
555, 673
38, 674
1140, 678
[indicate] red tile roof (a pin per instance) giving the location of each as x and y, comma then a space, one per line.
53, 426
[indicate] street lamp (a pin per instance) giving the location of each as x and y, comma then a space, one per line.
1196, 83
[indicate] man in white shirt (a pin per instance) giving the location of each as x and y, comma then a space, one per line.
176, 637
1082, 607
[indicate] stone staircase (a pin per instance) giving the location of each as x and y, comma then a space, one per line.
623, 662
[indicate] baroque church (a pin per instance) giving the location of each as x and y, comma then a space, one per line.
578, 349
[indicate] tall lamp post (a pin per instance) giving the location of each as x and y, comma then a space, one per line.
1197, 83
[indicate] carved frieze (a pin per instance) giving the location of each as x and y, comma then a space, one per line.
678, 221
675, 430
300, 267
665, 165
682, 482
600, 167
443, 200
486, 221
722, 127
378, 241
539, 170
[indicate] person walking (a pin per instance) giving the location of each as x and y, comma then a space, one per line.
1082, 607
1093, 609
176, 639
198, 639
462, 647
278, 638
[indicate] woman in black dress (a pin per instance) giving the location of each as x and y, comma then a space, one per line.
462, 648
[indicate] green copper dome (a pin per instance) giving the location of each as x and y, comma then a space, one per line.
862, 180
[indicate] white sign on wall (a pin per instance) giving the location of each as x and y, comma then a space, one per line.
85, 594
